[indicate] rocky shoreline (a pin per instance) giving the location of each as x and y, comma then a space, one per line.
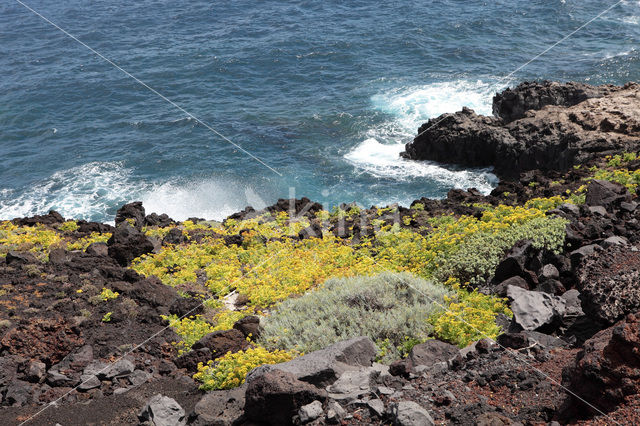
83, 328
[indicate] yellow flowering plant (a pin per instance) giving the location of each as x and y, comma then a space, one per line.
230, 370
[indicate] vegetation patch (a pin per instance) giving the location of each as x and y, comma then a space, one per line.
390, 307
230, 370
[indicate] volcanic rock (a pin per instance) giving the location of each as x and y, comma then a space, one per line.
132, 211
608, 367
512, 104
323, 367
163, 411
608, 284
276, 396
220, 408
534, 309
127, 243
409, 413
552, 138
222, 341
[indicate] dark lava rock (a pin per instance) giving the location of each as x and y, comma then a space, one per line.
521, 260
608, 284
190, 360
512, 104
249, 326
149, 291
608, 367
553, 138
185, 306
161, 221
127, 243
275, 397
20, 258
606, 194
98, 249
425, 354
325, 366
223, 341
533, 309
133, 211
174, 236
220, 408
52, 218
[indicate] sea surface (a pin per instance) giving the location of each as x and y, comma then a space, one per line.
326, 93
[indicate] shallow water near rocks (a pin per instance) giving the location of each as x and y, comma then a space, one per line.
325, 93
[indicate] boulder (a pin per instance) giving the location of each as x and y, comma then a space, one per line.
275, 397
220, 408
36, 371
127, 243
606, 194
608, 284
323, 367
222, 341
608, 367
549, 271
310, 412
132, 211
120, 368
51, 218
173, 237
534, 309
501, 289
163, 411
521, 258
20, 258
98, 249
352, 385
249, 326
191, 359
424, 355
161, 220
409, 413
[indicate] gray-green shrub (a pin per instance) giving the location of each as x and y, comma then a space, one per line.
390, 308
477, 258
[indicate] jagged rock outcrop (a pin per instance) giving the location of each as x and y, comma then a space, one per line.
608, 283
608, 367
552, 138
512, 104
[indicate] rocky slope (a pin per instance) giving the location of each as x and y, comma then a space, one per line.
570, 354
547, 126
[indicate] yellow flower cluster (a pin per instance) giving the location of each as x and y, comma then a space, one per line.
230, 370
107, 294
83, 243
469, 316
191, 329
69, 226
628, 178
37, 239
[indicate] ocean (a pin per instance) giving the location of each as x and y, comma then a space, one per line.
326, 93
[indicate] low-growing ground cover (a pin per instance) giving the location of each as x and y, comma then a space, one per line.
263, 260
390, 308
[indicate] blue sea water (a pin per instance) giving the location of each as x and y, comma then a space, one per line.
324, 92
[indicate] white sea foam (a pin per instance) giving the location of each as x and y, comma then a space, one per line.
93, 191
209, 199
378, 154
414, 105
77, 192
383, 161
